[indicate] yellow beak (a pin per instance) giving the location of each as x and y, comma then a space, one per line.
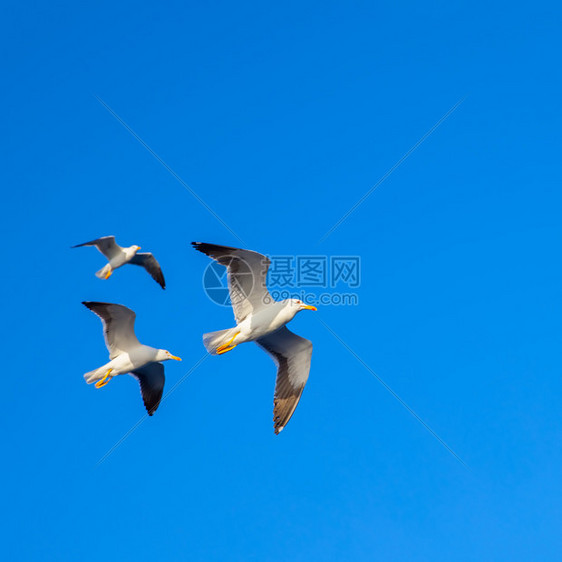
309, 307
174, 357
138, 248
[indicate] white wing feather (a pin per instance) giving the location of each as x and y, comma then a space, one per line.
292, 355
118, 326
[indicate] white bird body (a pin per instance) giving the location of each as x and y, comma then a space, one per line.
127, 362
127, 355
261, 319
125, 255
265, 321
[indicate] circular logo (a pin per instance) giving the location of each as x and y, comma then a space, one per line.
215, 281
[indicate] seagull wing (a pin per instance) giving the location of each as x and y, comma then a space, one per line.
292, 355
148, 261
247, 275
118, 326
106, 245
151, 379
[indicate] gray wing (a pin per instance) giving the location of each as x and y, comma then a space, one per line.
247, 275
148, 261
151, 378
292, 355
106, 245
118, 326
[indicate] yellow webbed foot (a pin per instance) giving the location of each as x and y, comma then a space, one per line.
227, 346
224, 348
105, 380
109, 273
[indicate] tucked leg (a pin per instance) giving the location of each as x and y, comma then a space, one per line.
105, 379
228, 346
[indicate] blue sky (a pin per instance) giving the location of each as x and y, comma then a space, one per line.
281, 117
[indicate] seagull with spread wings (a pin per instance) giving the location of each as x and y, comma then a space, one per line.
127, 355
261, 319
118, 256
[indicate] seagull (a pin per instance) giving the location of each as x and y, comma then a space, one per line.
127, 355
119, 256
261, 319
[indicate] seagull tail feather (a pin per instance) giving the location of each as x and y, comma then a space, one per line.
213, 340
95, 375
102, 273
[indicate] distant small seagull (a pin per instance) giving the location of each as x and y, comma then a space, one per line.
119, 256
127, 355
261, 319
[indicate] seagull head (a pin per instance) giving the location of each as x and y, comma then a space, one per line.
132, 250
298, 305
165, 355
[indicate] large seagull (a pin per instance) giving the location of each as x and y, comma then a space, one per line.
127, 355
261, 319
118, 256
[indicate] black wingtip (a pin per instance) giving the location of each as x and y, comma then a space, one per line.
92, 304
200, 246
206, 247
